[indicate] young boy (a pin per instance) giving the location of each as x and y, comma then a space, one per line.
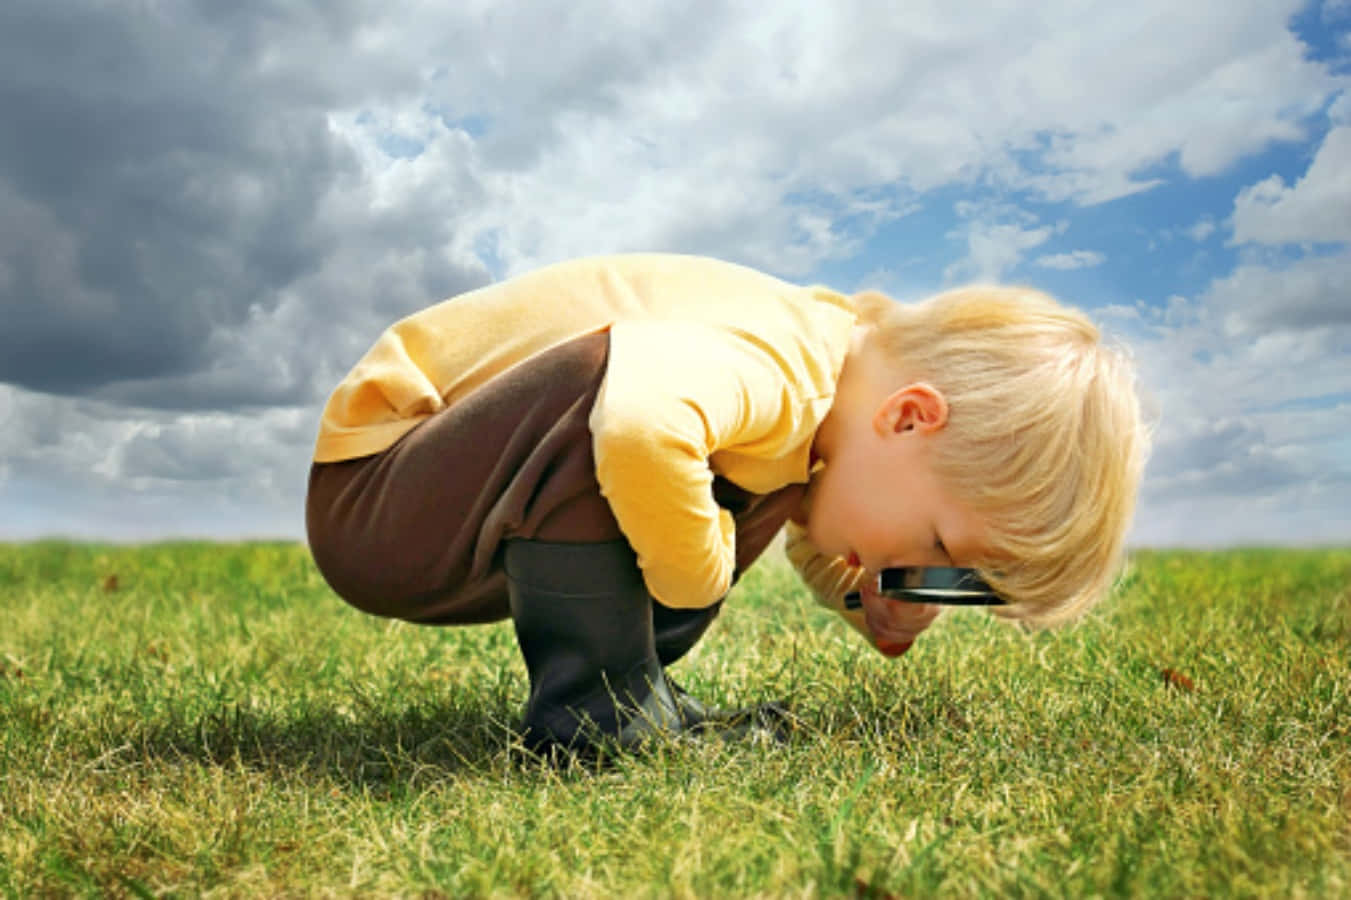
599, 449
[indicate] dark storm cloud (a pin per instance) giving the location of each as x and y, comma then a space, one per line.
162, 168
182, 227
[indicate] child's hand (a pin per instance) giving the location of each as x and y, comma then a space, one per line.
893, 624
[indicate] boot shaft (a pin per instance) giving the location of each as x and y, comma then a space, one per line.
583, 620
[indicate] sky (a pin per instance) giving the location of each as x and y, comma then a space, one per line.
208, 211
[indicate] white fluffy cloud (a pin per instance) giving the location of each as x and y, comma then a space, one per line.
994, 249
1075, 259
1253, 401
748, 131
90, 469
1251, 376
1264, 301
1316, 208
1202, 230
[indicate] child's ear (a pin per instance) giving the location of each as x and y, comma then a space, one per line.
918, 407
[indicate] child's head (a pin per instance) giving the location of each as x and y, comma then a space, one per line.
1042, 439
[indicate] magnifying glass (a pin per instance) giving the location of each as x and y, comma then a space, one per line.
944, 585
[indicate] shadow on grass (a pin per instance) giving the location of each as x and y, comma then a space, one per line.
379, 746
372, 749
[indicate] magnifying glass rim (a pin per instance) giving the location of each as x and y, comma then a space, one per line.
945, 585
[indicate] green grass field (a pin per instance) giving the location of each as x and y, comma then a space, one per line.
195, 719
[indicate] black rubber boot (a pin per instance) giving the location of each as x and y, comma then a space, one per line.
676, 631
583, 620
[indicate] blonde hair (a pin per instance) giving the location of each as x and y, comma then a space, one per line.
1044, 439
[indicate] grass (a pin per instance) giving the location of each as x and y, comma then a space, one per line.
194, 719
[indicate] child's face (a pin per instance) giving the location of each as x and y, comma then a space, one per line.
878, 502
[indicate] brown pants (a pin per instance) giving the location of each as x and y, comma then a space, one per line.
416, 532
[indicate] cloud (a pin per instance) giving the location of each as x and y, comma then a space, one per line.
205, 219
1317, 208
1202, 230
1252, 439
1075, 259
1301, 514
1271, 476
1339, 112
1309, 295
1221, 457
1255, 395
166, 173
995, 247
1253, 340
170, 174
141, 474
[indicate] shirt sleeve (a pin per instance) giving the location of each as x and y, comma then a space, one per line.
674, 393
828, 577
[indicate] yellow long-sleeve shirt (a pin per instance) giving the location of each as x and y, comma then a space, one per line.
714, 368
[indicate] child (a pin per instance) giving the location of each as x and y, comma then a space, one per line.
600, 448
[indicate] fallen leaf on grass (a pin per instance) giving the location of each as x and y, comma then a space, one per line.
864, 890
1174, 678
